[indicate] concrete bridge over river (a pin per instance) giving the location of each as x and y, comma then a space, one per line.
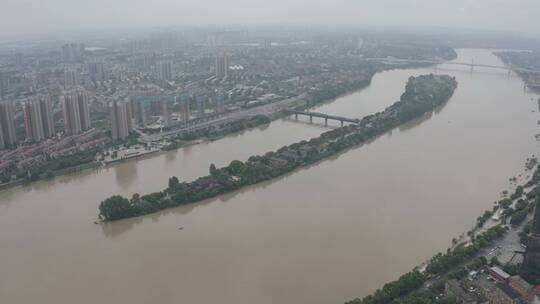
471, 64
326, 117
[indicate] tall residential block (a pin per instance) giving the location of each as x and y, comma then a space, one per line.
184, 107
38, 118
222, 66
2, 143
138, 112
165, 70
96, 70
47, 115
201, 105
72, 52
84, 110
220, 102
120, 118
32, 122
76, 112
70, 78
7, 125
166, 114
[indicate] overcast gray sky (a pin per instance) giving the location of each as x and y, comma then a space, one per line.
49, 15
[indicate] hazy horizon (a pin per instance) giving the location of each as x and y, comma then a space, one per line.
31, 16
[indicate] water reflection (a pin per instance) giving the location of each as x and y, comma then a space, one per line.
316, 123
114, 229
126, 174
418, 121
170, 157
7, 196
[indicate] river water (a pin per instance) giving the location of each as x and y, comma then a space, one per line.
323, 234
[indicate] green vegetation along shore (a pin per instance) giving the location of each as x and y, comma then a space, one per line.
422, 95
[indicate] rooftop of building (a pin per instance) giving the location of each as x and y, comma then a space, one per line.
498, 271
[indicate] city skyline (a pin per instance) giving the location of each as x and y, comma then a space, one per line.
461, 14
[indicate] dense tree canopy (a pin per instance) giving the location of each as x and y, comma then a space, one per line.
115, 207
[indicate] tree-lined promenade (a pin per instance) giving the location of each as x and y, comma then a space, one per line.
422, 95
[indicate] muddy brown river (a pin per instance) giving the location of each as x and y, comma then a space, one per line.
323, 234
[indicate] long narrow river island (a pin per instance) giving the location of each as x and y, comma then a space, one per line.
323, 234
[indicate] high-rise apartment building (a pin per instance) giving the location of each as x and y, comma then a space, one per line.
72, 52
38, 118
2, 143
76, 112
47, 115
184, 107
96, 70
72, 117
222, 66
32, 121
166, 114
165, 70
138, 112
220, 102
201, 105
33, 124
70, 78
4, 82
84, 110
7, 125
120, 117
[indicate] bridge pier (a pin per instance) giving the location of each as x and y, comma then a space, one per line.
326, 121
341, 122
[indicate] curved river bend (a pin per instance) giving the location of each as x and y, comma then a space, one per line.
325, 234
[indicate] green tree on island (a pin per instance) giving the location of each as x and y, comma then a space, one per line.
115, 207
